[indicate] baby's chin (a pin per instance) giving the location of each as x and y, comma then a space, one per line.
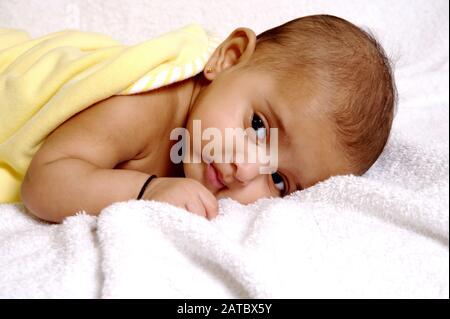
196, 171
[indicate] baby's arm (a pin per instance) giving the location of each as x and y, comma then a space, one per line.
73, 169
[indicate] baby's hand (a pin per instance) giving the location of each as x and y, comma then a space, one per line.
186, 193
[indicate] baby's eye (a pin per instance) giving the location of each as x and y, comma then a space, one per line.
279, 183
259, 127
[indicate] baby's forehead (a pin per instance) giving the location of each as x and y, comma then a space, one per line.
297, 118
293, 95
296, 98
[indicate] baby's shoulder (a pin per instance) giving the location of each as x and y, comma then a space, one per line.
134, 108
108, 132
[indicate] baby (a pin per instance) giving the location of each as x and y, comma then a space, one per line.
325, 84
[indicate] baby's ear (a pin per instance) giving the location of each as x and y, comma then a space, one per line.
237, 48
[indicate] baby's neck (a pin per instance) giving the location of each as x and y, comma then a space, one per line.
185, 94
183, 97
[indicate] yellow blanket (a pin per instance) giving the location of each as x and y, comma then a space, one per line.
45, 81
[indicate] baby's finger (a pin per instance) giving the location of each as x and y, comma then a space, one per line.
196, 207
210, 204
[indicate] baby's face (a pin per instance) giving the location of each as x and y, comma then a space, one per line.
246, 98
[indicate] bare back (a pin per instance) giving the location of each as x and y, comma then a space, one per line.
125, 134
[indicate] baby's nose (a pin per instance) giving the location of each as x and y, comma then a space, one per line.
245, 172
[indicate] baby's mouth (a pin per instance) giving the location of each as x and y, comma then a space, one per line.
214, 177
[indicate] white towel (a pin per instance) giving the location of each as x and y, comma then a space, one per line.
382, 236
39, 260
347, 237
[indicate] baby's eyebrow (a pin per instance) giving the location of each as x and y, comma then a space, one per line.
279, 124
278, 120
